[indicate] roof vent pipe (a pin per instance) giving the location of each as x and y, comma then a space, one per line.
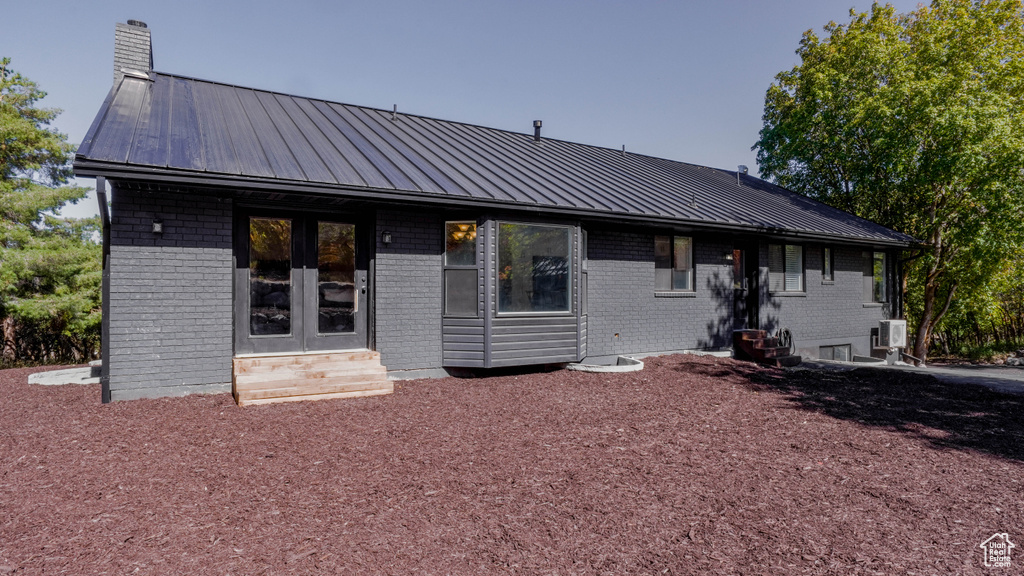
394, 113
536, 130
741, 169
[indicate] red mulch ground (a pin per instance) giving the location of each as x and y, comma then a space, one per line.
692, 466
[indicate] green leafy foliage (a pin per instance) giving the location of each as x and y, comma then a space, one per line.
50, 272
915, 121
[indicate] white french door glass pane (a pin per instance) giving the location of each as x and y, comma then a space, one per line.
337, 297
270, 276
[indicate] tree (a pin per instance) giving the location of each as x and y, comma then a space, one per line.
915, 121
49, 266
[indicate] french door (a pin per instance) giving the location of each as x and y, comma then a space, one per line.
300, 283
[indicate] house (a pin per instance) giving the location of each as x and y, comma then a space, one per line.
296, 247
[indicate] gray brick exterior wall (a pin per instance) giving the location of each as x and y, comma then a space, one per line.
829, 313
408, 278
625, 315
170, 319
132, 49
169, 309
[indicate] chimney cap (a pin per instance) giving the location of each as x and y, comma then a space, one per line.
138, 23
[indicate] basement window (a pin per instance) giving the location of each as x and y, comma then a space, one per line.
785, 268
841, 352
461, 277
673, 263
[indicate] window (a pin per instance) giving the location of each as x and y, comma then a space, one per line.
785, 268
874, 277
828, 270
270, 276
461, 281
533, 268
673, 263
841, 352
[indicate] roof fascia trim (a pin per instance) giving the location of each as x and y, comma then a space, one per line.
87, 168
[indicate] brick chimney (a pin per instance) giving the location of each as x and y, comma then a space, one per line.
133, 49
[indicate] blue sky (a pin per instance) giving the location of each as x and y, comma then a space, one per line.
679, 80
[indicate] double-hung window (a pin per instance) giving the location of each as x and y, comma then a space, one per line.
785, 268
874, 277
461, 278
673, 263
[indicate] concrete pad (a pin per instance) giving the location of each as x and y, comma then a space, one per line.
1006, 379
61, 377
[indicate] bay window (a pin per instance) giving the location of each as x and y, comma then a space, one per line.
533, 268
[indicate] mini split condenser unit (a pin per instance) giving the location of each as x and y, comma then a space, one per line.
892, 333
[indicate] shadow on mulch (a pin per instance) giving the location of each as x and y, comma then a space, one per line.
957, 416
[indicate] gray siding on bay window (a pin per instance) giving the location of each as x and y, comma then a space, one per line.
169, 295
517, 340
496, 340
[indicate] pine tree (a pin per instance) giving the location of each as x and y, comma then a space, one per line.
49, 266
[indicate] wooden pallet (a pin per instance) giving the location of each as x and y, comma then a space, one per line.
290, 378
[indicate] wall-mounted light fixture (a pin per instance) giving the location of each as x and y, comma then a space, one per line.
158, 226
728, 256
385, 238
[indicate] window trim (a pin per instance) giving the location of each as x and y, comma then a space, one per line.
670, 292
570, 278
802, 291
445, 267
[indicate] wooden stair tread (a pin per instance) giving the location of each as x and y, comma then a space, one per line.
757, 346
288, 378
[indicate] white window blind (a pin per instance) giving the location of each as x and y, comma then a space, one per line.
794, 268
785, 268
682, 273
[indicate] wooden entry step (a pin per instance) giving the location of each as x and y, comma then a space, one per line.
756, 345
289, 378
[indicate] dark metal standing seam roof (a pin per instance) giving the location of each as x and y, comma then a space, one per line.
166, 127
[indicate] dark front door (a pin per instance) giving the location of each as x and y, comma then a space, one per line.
745, 286
300, 283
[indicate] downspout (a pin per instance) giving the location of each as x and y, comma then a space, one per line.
101, 198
